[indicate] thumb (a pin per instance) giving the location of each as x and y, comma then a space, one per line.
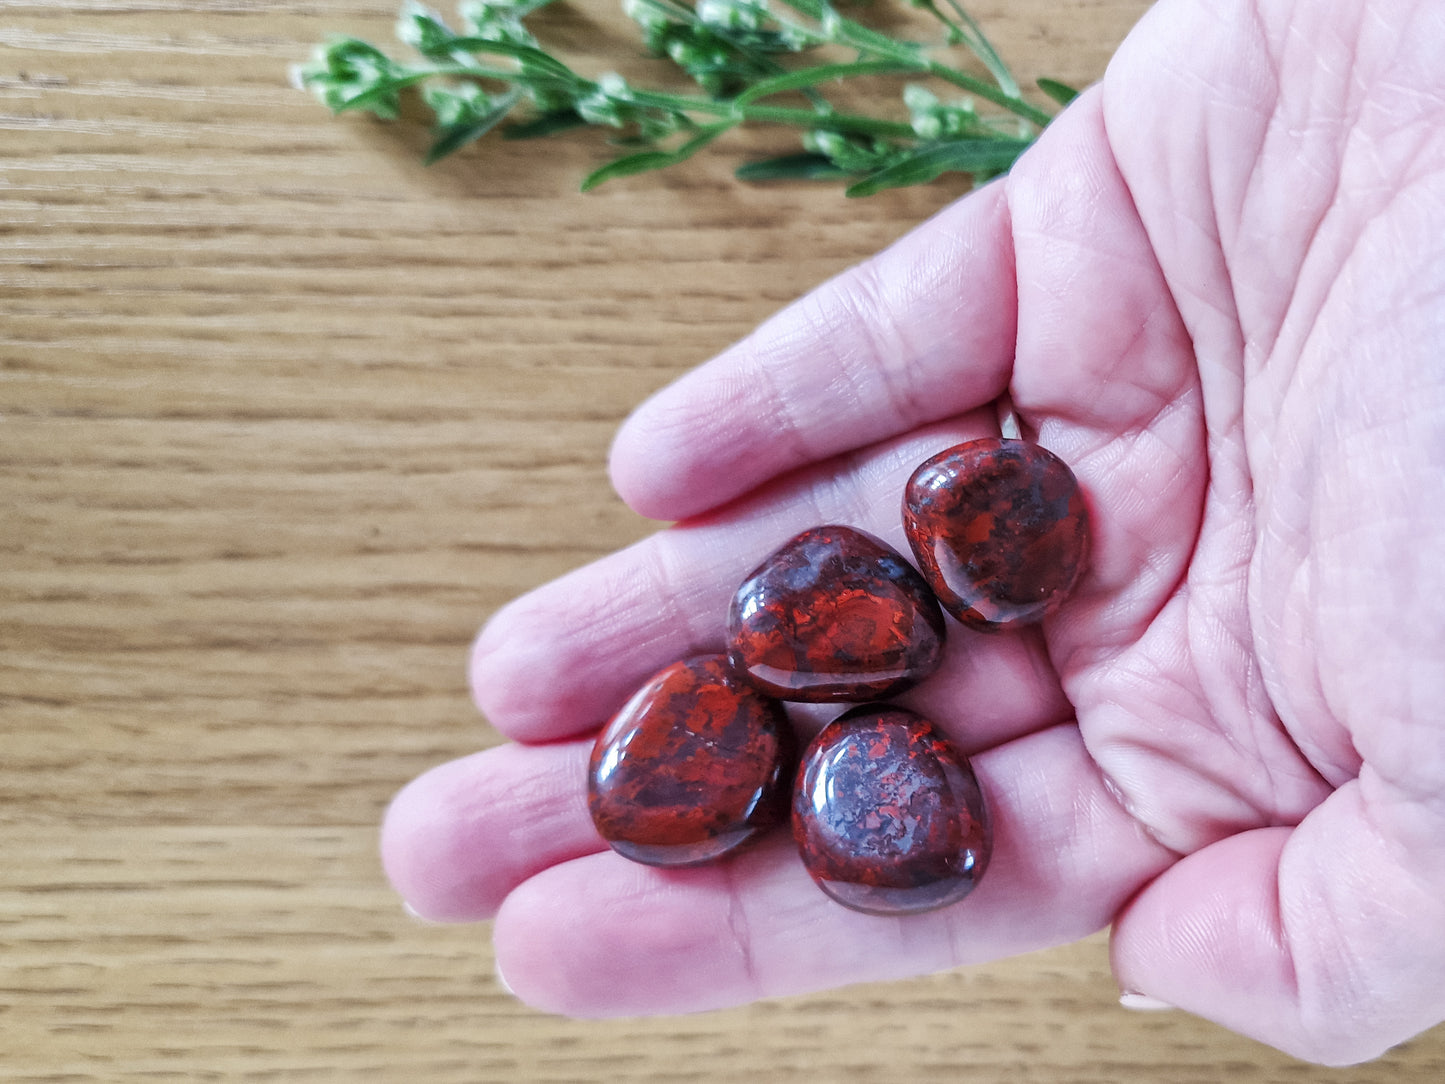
1326, 941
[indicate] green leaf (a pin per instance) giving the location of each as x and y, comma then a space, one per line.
958, 156
522, 10
454, 138
543, 62
811, 77
456, 104
1059, 92
791, 167
383, 100
422, 29
560, 120
349, 60
348, 74
627, 166
631, 164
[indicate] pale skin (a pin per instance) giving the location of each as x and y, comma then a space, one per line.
1216, 287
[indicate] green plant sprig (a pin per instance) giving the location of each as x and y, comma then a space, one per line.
738, 52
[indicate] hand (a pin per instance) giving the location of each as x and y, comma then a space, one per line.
1216, 287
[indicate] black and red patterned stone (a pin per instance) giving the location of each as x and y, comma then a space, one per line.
834, 615
888, 817
1000, 530
696, 764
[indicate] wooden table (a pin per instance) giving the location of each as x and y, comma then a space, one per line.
283, 416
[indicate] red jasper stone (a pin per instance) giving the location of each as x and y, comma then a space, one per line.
834, 615
696, 764
888, 816
1000, 530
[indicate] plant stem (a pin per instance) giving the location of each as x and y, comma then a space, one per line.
772, 114
832, 121
986, 52
858, 36
730, 53
1014, 105
766, 63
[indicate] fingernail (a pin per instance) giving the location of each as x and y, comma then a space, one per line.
1143, 1002
416, 916
502, 979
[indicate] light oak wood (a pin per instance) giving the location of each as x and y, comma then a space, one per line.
283, 417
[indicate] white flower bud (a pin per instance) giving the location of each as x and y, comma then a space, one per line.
919, 98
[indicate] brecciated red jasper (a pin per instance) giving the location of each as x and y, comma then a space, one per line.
694, 765
834, 615
888, 816
1000, 530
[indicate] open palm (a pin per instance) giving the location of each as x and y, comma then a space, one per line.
1216, 287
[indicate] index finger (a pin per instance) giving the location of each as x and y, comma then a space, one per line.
921, 332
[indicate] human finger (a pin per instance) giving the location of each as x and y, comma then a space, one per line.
558, 661
1322, 940
921, 332
600, 936
458, 838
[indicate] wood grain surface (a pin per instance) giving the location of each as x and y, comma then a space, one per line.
283, 417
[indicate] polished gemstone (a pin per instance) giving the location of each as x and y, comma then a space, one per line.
888, 816
834, 615
1000, 530
694, 765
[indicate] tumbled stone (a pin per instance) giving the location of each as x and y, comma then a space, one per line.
696, 764
888, 817
1000, 530
834, 615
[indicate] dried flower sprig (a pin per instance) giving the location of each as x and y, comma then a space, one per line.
743, 55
